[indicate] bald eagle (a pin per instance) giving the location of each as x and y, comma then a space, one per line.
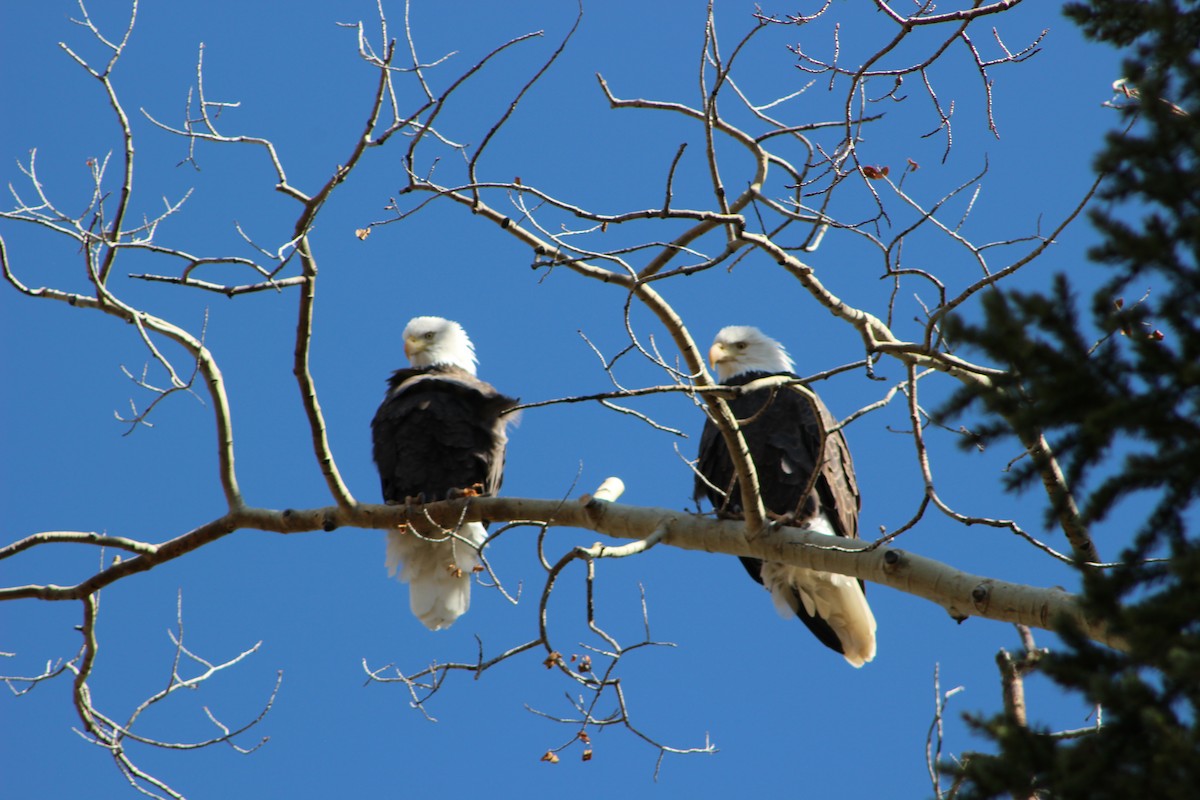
440, 431
783, 432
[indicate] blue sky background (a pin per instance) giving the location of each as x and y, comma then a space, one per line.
786, 715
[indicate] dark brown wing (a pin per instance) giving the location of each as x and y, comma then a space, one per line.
836, 485
783, 429
438, 430
784, 437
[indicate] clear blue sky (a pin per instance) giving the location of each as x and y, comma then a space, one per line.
788, 716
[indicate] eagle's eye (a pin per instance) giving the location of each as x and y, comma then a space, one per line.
429, 336
740, 345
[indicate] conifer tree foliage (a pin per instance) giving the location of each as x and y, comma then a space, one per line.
1122, 393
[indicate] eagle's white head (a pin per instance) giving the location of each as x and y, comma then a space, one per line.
742, 348
429, 341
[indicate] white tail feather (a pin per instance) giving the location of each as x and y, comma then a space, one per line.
438, 573
837, 599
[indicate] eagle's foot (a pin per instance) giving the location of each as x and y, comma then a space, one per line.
455, 570
403, 526
474, 490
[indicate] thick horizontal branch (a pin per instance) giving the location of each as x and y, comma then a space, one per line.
960, 593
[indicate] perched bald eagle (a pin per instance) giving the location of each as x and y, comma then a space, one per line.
440, 431
783, 432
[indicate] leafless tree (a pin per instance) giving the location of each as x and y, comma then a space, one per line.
780, 184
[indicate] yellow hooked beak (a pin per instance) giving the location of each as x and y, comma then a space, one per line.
412, 346
717, 354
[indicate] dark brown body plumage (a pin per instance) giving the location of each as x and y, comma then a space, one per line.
784, 430
439, 429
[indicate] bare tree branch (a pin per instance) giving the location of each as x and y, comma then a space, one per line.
962, 594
